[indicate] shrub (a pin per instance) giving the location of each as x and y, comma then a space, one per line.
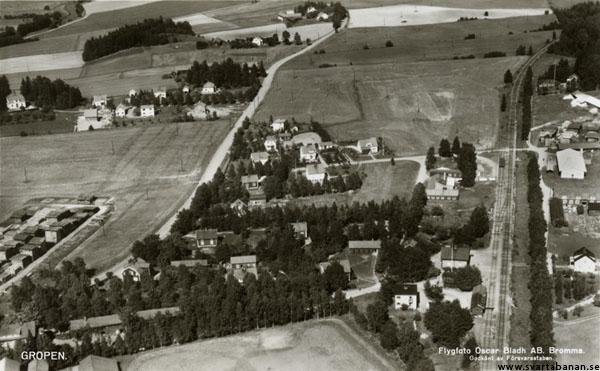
494, 54
389, 44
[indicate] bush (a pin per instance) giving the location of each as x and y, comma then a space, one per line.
494, 54
557, 213
389, 44
365, 47
577, 311
470, 36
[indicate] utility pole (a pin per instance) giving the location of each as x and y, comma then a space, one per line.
146, 193
25, 171
112, 146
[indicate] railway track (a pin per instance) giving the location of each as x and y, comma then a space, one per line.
497, 316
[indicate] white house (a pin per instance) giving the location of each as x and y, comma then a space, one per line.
185, 89
99, 101
121, 110
135, 268
147, 110
160, 93
132, 92
262, 157
308, 153
322, 16
15, 102
208, 88
407, 296
258, 41
315, 173
368, 145
311, 9
271, 143
583, 260
571, 164
278, 125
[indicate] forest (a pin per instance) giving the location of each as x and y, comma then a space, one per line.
38, 22
580, 38
226, 74
146, 33
44, 93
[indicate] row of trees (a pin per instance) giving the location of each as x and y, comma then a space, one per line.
227, 74
43, 92
540, 283
37, 22
580, 38
211, 304
526, 113
4, 92
146, 33
573, 285
465, 156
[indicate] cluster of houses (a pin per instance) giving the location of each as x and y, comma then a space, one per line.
551, 86
570, 147
311, 12
30, 232
100, 115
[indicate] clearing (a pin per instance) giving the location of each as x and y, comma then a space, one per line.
313, 345
410, 15
151, 172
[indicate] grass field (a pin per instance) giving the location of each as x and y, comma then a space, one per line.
412, 94
382, 182
578, 333
63, 123
151, 172
314, 345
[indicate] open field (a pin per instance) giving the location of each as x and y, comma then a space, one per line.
41, 62
314, 345
100, 6
412, 106
151, 172
578, 333
63, 123
409, 15
252, 14
311, 31
115, 18
478, 4
382, 182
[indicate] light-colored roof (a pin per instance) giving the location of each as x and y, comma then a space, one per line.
570, 159
208, 85
365, 244
189, 263
435, 188
253, 178
299, 227
115, 320
244, 259
99, 98
206, 234
307, 138
147, 106
308, 149
271, 138
15, 97
315, 169
370, 142
258, 156
90, 113
121, 106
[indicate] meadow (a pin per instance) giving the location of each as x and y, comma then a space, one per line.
150, 172
312, 345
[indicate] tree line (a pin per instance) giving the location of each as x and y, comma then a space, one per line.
211, 304
146, 33
226, 74
38, 22
540, 282
526, 117
43, 92
580, 38
4, 92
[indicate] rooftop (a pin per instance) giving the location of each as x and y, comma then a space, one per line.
570, 159
365, 244
407, 289
457, 254
244, 259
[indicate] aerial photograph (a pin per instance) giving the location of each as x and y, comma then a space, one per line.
274, 185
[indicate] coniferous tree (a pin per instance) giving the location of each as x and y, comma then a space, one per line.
456, 146
445, 150
430, 159
4, 92
508, 77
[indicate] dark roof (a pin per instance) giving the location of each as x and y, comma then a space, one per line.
459, 254
579, 145
408, 289
206, 234
583, 252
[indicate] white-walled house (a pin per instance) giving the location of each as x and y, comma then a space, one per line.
208, 88
408, 296
185, 89
258, 41
99, 101
322, 16
584, 261
132, 92
315, 173
270, 143
94, 119
368, 145
308, 153
15, 102
121, 110
147, 110
455, 257
262, 157
278, 125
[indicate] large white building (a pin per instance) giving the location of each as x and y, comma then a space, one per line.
99, 101
147, 110
208, 88
308, 153
368, 145
15, 102
583, 260
571, 164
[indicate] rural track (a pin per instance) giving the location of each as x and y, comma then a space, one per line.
222, 151
497, 317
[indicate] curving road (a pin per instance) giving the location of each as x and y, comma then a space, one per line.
221, 153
